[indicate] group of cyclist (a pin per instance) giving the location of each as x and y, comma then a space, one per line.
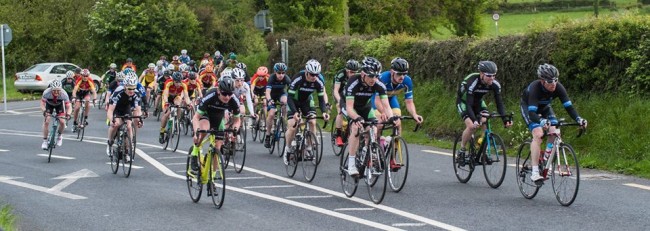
216, 89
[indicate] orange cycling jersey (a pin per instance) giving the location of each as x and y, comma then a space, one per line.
192, 86
173, 89
259, 81
81, 85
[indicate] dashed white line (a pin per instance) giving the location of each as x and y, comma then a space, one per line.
638, 186
269, 186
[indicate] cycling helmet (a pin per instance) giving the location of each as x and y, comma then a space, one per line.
184, 67
192, 75
548, 72
160, 63
119, 76
226, 72
313, 66
129, 60
177, 76
241, 65
151, 65
131, 80
280, 67
56, 85
488, 67
352, 65
399, 65
113, 65
85, 72
263, 71
175, 58
69, 74
371, 66
226, 85
77, 70
238, 73
183, 52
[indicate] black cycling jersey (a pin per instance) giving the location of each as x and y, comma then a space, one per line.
300, 92
472, 90
536, 98
123, 102
277, 86
362, 93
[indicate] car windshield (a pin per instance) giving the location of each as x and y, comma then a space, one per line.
38, 68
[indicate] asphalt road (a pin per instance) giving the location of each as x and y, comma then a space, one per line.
77, 191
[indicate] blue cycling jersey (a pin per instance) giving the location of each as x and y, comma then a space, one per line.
392, 90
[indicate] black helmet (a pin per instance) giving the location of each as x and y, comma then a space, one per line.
177, 76
400, 65
226, 85
487, 67
548, 72
279, 67
371, 66
352, 65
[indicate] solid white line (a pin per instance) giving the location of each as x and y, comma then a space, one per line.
354, 209
409, 224
245, 178
308, 197
58, 157
269, 186
438, 152
638, 186
372, 224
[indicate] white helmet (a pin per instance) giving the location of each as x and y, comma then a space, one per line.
56, 84
183, 52
184, 67
131, 79
313, 66
160, 63
113, 65
151, 65
69, 74
226, 72
238, 73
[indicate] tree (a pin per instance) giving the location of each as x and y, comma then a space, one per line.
314, 14
142, 30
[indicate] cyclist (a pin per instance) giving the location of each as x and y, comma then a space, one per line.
210, 115
275, 92
243, 91
129, 64
124, 101
54, 100
299, 101
536, 109
184, 58
81, 90
260, 78
340, 79
68, 83
174, 93
148, 79
470, 102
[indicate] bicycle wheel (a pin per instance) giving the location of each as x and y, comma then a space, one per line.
127, 154
239, 155
310, 156
463, 165
398, 156
565, 175
194, 186
335, 148
376, 173
176, 134
495, 160
523, 170
217, 182
348, 183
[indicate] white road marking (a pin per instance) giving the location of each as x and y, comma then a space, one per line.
268, 186
638, 186
409, 224
438, 152
58, 157
308, 197
354, 209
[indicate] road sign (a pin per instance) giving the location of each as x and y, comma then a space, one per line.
6, 33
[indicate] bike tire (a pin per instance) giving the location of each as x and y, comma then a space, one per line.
194, 186
376, 184
398, 152
565, 175
217, 184
494, 160
311, 155
523, 170
239, 155
349, 184
463, 166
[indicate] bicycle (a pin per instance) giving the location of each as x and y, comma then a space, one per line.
80, 128
307, 149
397, 153
562, 163
278, 131
371, 162
51, 137
234, 147
259, 123
173, 128
489, 151
210, 164
125, 147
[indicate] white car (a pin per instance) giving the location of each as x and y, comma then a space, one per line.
38, 77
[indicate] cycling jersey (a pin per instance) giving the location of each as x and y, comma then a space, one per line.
277, 86
470, 96
300, 92
537, 100
213, 109
123, 102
